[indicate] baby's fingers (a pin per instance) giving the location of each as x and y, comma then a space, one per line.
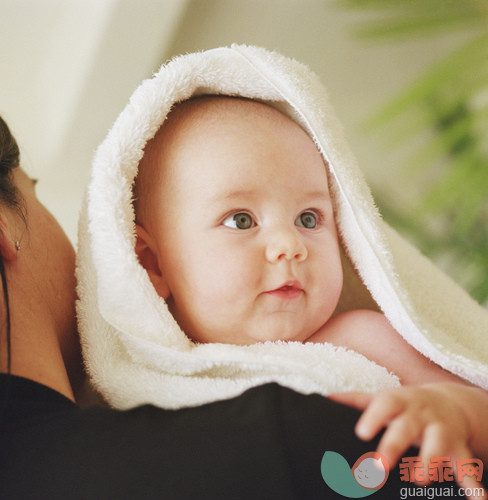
438, 446
381, 411
403, 432
387, 409
469, 484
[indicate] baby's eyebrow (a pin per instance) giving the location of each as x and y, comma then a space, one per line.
317, 194
314, 195
234, 195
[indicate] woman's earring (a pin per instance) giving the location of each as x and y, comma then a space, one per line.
17, 246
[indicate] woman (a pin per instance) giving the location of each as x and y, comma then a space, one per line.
40, 341
267, 443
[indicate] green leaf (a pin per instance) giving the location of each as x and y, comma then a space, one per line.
443, 115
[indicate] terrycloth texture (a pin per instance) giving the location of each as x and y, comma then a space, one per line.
136, 353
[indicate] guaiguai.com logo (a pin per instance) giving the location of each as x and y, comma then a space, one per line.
365, 477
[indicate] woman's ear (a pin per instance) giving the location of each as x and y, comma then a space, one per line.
8, 248
146, 250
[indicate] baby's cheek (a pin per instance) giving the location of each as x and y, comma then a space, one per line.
231, 272
213, 286
328, 282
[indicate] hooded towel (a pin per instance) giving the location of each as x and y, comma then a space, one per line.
134, 350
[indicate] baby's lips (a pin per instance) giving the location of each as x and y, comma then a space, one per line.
289, 290
288, 286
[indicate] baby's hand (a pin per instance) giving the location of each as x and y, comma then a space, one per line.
437, 417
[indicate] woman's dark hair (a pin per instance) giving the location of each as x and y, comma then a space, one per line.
9, 197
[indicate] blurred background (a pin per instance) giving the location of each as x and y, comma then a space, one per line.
408, 78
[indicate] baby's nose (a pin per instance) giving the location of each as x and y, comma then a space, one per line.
285, 245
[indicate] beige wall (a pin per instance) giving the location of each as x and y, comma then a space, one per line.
67, 67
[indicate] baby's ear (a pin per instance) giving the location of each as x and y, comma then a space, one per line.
7, 243
147, 252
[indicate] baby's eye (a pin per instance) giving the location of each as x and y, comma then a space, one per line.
241, 220
308, 220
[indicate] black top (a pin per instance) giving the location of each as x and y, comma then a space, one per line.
268, 443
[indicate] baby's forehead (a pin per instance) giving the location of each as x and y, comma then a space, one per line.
219, 123
208, 108
223, 115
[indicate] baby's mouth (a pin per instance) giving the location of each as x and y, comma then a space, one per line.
289, 290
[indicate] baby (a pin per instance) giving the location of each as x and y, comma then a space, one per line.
236, 230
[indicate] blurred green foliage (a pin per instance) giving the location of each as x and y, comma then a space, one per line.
449, 221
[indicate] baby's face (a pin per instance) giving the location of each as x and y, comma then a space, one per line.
242, 225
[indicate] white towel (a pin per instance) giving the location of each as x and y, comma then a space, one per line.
135, 351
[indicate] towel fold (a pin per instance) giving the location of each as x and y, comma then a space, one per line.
134, 350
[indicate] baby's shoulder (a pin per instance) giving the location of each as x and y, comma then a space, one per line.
352, 326
372, 335
364, 331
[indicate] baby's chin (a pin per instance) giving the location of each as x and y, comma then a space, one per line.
250, 338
